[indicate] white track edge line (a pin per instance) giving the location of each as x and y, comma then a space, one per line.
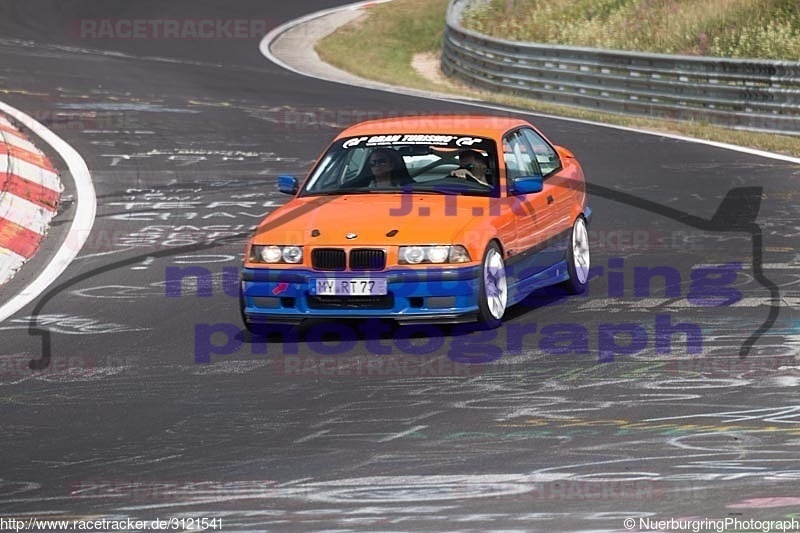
82, 223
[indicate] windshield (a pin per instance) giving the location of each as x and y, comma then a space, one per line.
424, 163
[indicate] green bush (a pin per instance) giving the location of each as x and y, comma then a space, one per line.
760, 29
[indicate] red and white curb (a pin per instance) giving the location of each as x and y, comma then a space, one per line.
82, 222
30, 191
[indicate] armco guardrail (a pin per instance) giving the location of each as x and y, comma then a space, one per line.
748, 94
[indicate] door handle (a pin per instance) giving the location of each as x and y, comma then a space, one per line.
549, 199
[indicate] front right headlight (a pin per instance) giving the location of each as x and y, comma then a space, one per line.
272, 254
435, 254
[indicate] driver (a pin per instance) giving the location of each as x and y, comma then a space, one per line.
473, 165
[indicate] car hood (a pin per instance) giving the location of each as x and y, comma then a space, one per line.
374, 219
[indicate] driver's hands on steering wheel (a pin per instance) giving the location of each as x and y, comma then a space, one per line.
463, 173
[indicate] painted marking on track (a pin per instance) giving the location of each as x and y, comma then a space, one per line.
402, 434
789, 414
72, 325
621, 304
312, 436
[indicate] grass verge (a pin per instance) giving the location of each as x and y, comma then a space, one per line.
384, 44
765, 29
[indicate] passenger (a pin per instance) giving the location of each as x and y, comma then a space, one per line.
388, 169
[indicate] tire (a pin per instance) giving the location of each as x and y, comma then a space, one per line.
578, 257
493, 296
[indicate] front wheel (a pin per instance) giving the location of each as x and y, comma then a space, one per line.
493, 288
578, 257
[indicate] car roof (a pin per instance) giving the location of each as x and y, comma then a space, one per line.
482, 125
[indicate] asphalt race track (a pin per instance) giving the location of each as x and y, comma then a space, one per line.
640, 400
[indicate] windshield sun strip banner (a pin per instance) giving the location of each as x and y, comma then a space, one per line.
454, 141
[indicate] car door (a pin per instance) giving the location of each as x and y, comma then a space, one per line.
560, 184
560, 179
536, 220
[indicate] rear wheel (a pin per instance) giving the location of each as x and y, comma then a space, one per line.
493, 288
578, 257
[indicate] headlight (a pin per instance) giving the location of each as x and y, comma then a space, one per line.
292, 254
276, 254
414, 255
438, 254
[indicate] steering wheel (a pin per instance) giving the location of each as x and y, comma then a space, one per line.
469, 175
434, 164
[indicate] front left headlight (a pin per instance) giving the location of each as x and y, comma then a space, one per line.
437, 254
276, 254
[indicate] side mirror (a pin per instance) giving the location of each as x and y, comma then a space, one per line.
287, 184
527, 184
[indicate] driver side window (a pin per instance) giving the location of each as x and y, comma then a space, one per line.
517, 157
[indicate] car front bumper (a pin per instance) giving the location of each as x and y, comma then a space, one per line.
435, 294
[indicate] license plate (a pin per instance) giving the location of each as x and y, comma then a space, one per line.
350, 287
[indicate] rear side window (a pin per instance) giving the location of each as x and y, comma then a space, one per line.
545, 155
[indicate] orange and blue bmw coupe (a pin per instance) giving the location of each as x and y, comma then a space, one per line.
430, 218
